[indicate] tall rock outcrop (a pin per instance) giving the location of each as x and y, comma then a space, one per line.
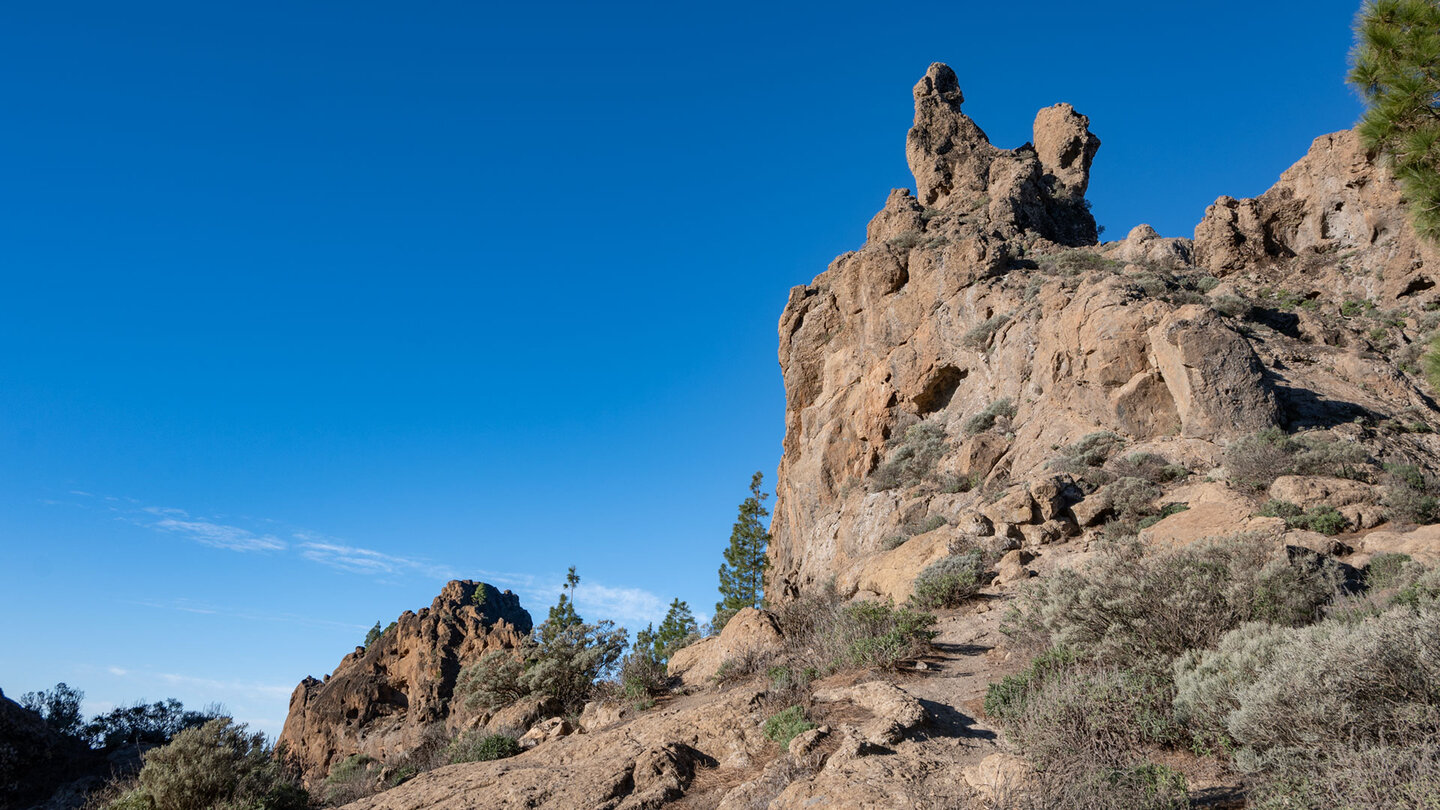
939, 372
1038, 188
384, 699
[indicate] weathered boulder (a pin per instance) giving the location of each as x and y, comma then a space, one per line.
1422, 544
545, 731
517, 717
750, 631
1215, 379
998, 776
1307, 491
891, 574
1035, 189
385, 699
896, 712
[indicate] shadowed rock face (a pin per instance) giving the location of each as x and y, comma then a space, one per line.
34, 760
986, 285
382, 700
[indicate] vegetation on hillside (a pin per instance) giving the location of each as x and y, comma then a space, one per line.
742, 575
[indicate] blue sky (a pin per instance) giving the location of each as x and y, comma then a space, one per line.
312, 306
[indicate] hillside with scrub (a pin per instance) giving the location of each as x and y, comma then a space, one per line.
1060, 522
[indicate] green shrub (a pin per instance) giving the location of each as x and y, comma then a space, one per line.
1146, 785
476, 746
493, 681
1352, 776
1431, 363
1420, 591
979, 336
1410, 494
1282, 693
1092, 450
1131, 498
353, 778
1230, 305
1140, 612
948, 582
1386, 570
1005, 698
879, 635
1323, 519
984, 420
1103, 715
1256, 460
642, 675
1148, 466
567, 665
783, 726
219, 765
913, 458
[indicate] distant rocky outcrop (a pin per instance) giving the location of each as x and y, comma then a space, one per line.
383, 700
981, 312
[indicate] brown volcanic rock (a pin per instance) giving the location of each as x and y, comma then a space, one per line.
1033, 189
1335, 199
962, 295
1215, 380
382, 700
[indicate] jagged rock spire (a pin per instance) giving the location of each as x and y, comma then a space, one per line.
1037, 188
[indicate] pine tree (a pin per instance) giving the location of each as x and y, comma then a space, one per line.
742, 577
1396, 66
563, 614
677, 628
373, 635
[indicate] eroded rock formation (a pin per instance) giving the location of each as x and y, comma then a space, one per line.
382, 700
985, 291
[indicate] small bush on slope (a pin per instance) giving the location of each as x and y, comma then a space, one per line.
913, 458
1255, 461
824, 634
948, 582
476, 746
1140, 612
783, 726
1279, 692
219, 766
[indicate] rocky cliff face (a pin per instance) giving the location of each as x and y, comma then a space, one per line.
383, 700
980, 330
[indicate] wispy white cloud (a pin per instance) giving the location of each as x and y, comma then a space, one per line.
356, 560
188, 606
120, 671
632, 608
220, 535
252, 690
